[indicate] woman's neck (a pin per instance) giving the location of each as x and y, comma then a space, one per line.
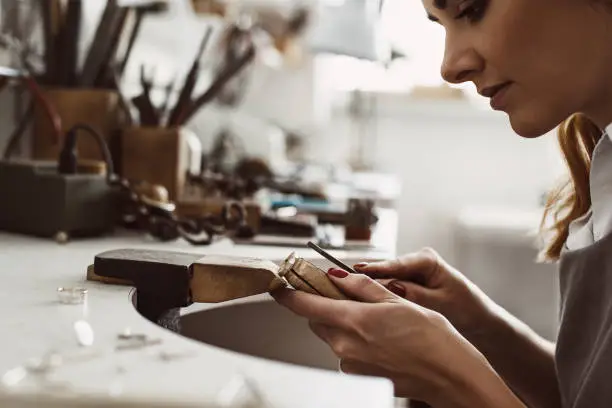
599, 110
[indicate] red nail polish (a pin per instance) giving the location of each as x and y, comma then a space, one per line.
338, 273
361, 265
396, 288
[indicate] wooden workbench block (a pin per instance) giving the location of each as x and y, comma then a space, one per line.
219, 278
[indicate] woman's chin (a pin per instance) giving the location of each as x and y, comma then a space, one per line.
530, 127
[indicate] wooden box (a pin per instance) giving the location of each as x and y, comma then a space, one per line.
156, 155
97, 108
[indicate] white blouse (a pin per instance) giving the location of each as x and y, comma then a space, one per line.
597, 222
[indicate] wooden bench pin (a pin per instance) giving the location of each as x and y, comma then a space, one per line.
182, 278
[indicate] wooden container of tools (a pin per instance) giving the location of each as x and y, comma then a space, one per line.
157, 155
98, 108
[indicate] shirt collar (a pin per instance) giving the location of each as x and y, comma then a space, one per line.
608, 132
601, 185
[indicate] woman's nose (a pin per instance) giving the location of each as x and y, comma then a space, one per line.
460, 64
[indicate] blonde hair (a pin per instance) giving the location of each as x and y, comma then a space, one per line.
577, 137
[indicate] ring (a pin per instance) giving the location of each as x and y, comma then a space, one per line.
71, 296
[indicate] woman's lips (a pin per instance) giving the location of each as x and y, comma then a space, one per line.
498, 97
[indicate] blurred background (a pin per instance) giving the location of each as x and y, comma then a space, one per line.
362, 95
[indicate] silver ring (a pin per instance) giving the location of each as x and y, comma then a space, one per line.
71, 296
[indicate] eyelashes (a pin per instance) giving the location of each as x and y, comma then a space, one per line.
474, 11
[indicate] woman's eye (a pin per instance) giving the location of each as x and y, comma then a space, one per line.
473, 12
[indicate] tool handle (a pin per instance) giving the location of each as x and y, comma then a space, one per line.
192, 77
224, 77
99, 46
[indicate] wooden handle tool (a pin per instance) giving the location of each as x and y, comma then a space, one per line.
179, 279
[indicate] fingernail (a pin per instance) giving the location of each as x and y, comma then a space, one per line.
396, 288
361, 265
338, 273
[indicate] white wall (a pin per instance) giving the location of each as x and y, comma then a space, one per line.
450, 156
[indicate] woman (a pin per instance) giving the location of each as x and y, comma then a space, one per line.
421, 323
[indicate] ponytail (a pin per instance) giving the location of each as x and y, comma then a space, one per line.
571, 199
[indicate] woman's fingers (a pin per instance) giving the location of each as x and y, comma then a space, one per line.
417, 267
314, 307
361, 287
413, 292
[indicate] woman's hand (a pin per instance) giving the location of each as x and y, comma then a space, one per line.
518, 354
381, 334
426, 279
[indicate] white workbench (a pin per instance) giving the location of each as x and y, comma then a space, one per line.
178, 372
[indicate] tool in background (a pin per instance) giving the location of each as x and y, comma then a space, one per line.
61, 28
67, 44
217, 85
149, 115
61, 31
163, 110
184, 97
51, 12
237, 40
186, 105
102, 44
125, 105
102, 68
140, 11
105, 71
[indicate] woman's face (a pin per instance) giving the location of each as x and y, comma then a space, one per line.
538, 60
